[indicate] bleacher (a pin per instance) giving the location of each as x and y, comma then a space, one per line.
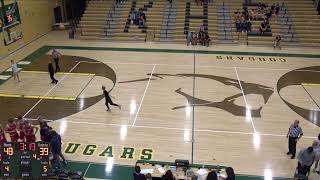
297, 22
93, 21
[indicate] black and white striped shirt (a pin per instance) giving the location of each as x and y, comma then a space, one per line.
295, 131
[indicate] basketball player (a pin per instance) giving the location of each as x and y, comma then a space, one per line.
108, 99
21, 124
11, 130
2, 135
51, 72
30, 133
15, 70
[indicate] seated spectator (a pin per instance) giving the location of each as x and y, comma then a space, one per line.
206, 40
253, 14
306, 157
212, 176
246, 26
168, 176
194, 38
277, 42
260, 6
237, 14
137, 15
198, 2
273, 7
263, 27
238, 25
148, 176
277, 9
137, 174
268, 15
142, 19
132, 17
245, 11
189, 38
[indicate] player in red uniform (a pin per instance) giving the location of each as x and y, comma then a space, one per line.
29, 132
21, 124
12, 130
2, 135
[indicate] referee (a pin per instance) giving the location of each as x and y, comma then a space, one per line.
294, 134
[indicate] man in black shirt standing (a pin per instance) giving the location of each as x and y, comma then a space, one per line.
108, 99
51, 72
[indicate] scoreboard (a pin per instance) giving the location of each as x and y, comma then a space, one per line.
25, 160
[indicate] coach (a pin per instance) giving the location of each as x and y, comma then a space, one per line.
294, 134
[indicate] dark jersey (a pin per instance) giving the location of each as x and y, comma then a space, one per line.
50, 68
106, 95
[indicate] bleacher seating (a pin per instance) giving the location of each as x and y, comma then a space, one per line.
297, 22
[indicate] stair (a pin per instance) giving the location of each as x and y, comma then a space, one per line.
287, 31
224, 34
169, 22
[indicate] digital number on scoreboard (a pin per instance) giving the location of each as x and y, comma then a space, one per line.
24, 159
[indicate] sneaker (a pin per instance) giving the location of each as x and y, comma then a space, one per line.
288, 153
292, 157
108, 109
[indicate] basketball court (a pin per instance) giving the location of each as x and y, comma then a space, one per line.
212, 107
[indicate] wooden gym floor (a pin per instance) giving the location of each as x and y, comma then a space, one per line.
243, 104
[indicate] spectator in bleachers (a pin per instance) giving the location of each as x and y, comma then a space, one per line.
132, 17
237, 14
137, 174
246, 25
194, 38
263, 27
238, 25
212, 176
268, 14
277, 9
253, 13
277, 42
142, 19
206, 40
168, 176
189, 38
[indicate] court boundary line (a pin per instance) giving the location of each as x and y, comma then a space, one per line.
199, 66
84, 175
51, 89
168, 128
310, 96
245, 100
187, 51
144, 94
85, 86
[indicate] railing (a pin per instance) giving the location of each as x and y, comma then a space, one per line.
110, 16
